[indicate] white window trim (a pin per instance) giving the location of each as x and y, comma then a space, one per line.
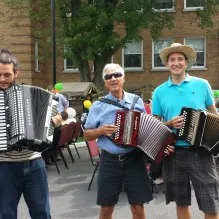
165, 10
191, 8
164, 68
69, 70
198, 67
36, 55
133, 68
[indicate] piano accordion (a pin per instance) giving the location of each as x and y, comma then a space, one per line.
25, 114
143, 131
200, 128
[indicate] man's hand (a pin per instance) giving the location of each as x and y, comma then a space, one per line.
177, 122
169, 149
108, 130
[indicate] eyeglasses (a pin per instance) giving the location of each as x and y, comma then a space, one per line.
115, 75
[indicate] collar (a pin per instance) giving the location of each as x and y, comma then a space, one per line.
125, 99
187, 79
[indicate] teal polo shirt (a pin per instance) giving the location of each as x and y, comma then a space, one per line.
169, 98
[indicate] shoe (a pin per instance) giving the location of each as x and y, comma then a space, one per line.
158, 181
58, 158
48, 161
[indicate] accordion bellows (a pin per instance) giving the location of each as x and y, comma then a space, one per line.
200, 128
25, 117
143, 131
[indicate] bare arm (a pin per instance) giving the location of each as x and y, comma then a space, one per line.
213, 109
176, 122
106, 130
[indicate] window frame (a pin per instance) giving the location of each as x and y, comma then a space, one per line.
163, 68
141, 53
36, 55
205, 52
69, 70
191, 8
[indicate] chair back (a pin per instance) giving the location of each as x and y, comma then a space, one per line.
77, 131
93, 148
66, 134
70, 129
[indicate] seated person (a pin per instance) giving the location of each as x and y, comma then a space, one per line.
71, 113
57, 121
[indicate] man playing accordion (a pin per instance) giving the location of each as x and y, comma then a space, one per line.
21, 172
189, 163
118, 165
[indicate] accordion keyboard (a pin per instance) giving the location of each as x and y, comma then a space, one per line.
53, 113
3, 128
190, 125
16, 106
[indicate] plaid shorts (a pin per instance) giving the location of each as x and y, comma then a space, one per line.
195, 166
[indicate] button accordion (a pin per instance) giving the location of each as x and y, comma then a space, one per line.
143, 131
25, 115
200, 128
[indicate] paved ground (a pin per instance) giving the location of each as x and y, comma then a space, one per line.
69, 197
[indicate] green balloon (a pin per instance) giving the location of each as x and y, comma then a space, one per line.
59, 86
216, 93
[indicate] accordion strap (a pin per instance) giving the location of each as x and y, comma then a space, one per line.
106, 100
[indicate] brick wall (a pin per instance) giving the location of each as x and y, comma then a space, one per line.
17, 35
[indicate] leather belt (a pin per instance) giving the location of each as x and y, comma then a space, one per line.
120, 157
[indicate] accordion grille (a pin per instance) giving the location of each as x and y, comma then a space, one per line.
211, 129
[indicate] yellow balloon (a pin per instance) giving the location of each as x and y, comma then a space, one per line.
87, 104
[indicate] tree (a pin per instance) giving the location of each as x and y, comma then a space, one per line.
93, 30
91, 34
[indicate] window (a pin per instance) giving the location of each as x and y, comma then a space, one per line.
198, 43
36, 55
193, 4
69, 66
163, 4
157, 47
132, 55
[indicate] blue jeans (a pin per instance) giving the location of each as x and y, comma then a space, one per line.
28, 178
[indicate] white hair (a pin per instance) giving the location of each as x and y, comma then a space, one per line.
109, 66
71, 112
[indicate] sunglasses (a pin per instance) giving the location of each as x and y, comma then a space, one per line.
115, 75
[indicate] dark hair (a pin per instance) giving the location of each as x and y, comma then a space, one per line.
7, 58
148, 101
64, 115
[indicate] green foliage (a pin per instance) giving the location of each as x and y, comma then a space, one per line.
206, 14
93, 30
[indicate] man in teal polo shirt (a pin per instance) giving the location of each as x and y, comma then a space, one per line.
188, 163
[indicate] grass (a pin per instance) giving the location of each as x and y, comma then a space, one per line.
80, 139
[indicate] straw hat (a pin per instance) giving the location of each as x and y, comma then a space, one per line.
188, 51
